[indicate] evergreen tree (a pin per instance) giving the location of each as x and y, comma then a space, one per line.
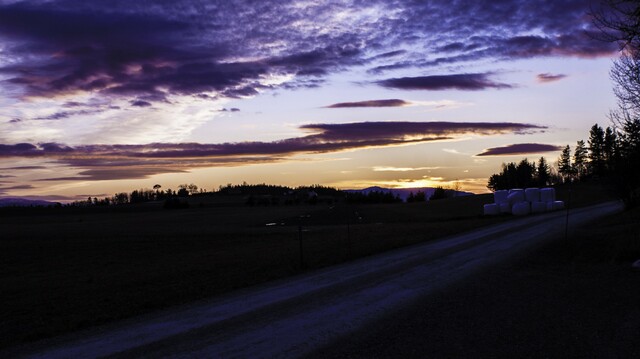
610, 148
580, 159
596, 149
564, 163
543, 172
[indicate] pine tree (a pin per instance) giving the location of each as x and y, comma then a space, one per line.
580, 159
610, 148
564, 163
543, 172
596, 149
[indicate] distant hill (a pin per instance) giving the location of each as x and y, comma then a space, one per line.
24, 202
403, 193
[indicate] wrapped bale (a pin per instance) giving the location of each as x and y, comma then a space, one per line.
521, 209
532, 194
538, 207
515, 196
547, 194
491, 209
500, 196
557, 205
505, 207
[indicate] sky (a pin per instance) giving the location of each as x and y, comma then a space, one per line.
99, 97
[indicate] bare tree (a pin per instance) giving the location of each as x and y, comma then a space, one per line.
619, 22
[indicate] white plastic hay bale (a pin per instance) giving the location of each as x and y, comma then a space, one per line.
491, 209
515, 196
515, 190
505, 207
532, 194
557, 205
500, 196
538, 207
547, 194
521, 209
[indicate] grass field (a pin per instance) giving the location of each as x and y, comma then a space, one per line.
62, 271
575, 298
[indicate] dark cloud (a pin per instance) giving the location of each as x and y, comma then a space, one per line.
520, 149
473, 82
149, 50
25, 168
6, 176
66, 114
140, 103
22, 186
107, 162
547, 77
371, 103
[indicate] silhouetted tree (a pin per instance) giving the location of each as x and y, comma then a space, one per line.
542, 172
564, 164
183, 192
580, 159
439, 193
596, 149
619, 22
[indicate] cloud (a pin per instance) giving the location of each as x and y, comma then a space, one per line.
520, 149
162, 49
547, 77
22, 186
371, 103
102, 162
66, 114
140, 103
468, 82
24, 167
402, 169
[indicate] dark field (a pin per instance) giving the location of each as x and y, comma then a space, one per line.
570, 299
65, 270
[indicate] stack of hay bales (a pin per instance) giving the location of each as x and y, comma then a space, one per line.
521, 202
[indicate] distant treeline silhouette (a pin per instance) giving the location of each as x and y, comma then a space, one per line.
256, 195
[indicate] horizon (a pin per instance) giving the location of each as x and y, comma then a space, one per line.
101, 98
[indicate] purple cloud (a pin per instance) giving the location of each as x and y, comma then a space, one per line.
66, 114
547, 77
371, 103
140, 103
469, 82
22, 186
520, 149
150, 50
140, 161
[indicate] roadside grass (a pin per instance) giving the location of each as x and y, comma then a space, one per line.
67, 271
576, 297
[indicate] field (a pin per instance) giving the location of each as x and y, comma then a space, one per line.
69, 269
574, 298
